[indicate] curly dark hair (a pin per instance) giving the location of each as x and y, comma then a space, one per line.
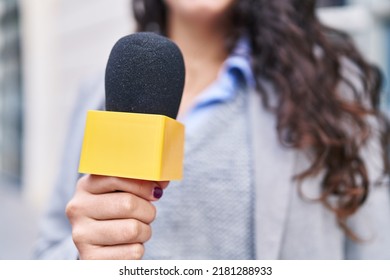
306, 62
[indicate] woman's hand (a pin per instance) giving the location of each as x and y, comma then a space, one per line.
111, 216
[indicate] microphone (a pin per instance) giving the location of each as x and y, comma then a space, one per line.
145, 74
138, 136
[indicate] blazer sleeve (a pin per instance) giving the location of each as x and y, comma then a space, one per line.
372, 221
55, 233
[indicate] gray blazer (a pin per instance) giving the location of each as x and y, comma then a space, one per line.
283, 218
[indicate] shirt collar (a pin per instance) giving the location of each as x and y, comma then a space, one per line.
235, 72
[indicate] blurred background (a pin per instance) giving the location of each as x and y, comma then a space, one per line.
49, 47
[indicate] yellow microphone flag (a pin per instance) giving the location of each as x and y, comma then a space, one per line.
132, 145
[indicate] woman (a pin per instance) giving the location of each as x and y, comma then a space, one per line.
282, 147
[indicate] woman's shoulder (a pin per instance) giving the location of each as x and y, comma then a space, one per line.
91, 92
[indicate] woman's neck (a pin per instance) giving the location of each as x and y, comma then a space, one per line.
204, 52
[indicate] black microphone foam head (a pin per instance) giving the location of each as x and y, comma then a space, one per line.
145, 74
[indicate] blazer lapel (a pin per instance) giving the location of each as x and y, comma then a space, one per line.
273, 171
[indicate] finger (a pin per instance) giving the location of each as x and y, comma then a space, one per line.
116, 252
149, 190
112, 232
118, 205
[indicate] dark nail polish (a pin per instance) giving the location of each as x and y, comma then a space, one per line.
157, 192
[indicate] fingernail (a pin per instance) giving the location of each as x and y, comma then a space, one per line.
157, 192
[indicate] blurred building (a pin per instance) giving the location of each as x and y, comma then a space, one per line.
49, 47
11, 98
